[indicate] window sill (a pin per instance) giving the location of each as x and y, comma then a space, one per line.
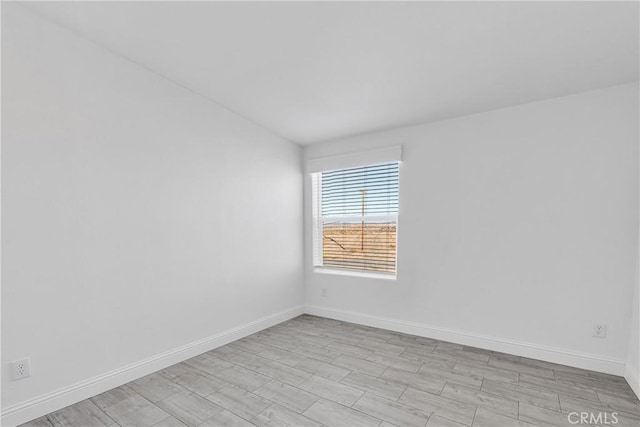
367, 274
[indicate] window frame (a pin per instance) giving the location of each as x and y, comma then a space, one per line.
318, 224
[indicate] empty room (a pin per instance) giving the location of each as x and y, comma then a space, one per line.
308, 214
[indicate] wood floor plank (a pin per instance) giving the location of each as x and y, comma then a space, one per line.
417, 381
498, 404
454, 410
331, 390
284, 373
487, 418
510, 365
84, 413
170, 422
360, 365
288, 396
391, 411
374, 385
333, 414
193, 379
396, 362
542, 416
350, 350
189, 408
317, 352
279, 416
38, 422
251, 346
553, 366
226, 419
282, 356
239, 401
239, 357
412, 345
276, 340
464, 378
155, 387
323, 369
491, 353
611, 387
113, 396
461, 354
545, 384
208, 362
343, 337
438, 421
243, 378
616, 402
534, 397
135, 411
486, 371
381, 347
434, 360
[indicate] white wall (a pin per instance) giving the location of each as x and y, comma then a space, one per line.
137, 217
517, 230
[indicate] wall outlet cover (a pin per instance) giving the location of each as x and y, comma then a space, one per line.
600, 330
20, 369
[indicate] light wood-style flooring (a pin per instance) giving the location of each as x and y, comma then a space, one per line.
312, 371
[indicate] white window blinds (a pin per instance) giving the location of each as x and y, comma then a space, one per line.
355, 218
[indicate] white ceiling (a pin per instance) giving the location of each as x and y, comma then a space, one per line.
317, 71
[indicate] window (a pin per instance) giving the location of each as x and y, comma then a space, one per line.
356, 218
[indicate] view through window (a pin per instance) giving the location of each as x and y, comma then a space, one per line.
357, 218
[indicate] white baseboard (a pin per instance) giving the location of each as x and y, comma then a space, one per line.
550, 354
632, 375
49, 402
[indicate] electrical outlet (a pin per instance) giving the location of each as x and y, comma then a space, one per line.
324, 292
600, 330
20, 369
